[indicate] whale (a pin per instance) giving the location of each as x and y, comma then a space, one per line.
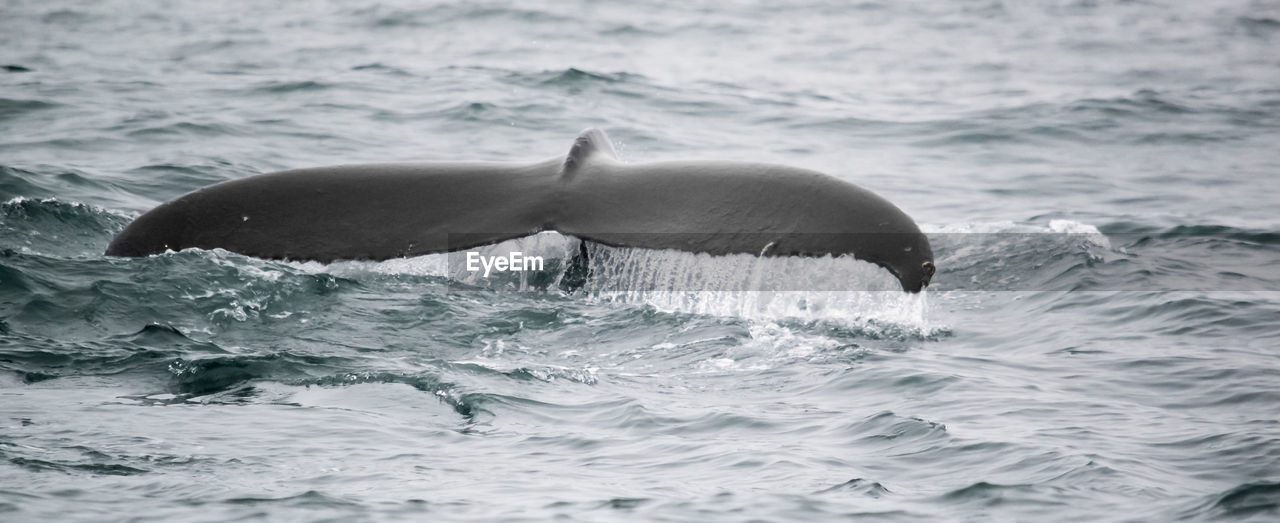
392, 210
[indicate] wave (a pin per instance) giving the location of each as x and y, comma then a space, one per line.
184, 131
53, 227
1000, 256
1144, 118
1247, 500
40, 465
82, 298
383, 17
575, 80
11, 107
36, 358
169, 180
1192, 257
1064, 255
286, 87
193, 376
1240, 235
16, 182
235, 378
380, 67
860, 486
574, 77
1259, 26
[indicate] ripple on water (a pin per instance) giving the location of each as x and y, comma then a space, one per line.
11, 108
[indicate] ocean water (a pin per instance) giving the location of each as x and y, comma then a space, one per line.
1099, 180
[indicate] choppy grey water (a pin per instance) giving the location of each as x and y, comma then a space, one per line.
1099, 180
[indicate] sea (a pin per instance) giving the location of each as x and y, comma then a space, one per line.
1099, 180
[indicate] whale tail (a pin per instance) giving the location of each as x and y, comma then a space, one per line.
381, 211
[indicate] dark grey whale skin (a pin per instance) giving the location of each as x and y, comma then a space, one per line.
382, 211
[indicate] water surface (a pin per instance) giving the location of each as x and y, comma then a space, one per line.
1098, 179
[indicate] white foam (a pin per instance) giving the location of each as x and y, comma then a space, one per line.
1090, 232
19, 200
1006, 226
427, 265
843, 290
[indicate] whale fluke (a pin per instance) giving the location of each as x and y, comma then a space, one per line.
382, 211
